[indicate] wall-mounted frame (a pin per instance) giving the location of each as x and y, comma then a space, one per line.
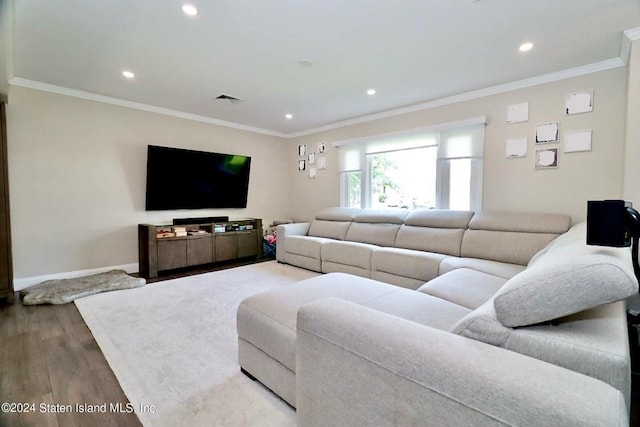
312, 173
577, 141
302, 150
547, 133
321, 147
516, 148
579, 102
302, 165
311, 158
547, 158
322, 163
518, 113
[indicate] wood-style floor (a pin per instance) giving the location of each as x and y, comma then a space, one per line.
49, 359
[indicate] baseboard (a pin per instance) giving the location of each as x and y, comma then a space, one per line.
20, 284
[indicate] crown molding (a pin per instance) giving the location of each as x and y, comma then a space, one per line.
632, 33
17, 81
467, 96
475, 94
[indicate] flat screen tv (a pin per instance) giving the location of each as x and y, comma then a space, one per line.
190, 179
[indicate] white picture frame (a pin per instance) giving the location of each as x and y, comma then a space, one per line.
302, 165
546, 158
578, 103
548, 133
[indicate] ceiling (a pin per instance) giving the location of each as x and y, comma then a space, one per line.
410, 51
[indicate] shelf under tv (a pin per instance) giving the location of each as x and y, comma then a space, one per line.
158, 254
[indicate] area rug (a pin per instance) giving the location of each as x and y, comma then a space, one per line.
62, 291
173, 347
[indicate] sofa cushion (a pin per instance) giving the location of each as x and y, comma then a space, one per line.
376, 234
418, 266
558, 286
503, 246
381, 216
268, 320
495, 268
439, 218
338, 214
329, 229
440, 240
520, 222
347, 257
465, 287
593, 342
511, 237
305, 245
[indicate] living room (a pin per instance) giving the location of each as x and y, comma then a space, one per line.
77, 154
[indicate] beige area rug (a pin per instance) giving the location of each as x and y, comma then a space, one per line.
173, 345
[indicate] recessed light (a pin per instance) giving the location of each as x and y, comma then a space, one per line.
128, 74
190, 10
525, 46
371, 91
288, 116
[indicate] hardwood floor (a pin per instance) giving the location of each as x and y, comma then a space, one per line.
49, 360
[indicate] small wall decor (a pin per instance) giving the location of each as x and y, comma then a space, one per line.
579, 102
321, 147
312, 173
547, 158
547, 132
302, 150
577, 141
311, 158
302, 165
322, 163
517, 113
516, 147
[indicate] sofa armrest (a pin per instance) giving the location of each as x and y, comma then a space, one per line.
357, 366
284, 230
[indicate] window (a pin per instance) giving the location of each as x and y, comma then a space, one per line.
392, 186
419, 169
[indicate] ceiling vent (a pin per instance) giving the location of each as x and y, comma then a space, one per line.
228, 98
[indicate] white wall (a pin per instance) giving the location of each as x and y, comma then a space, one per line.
77, 173
508, 184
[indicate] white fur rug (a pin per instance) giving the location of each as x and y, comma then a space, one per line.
173, 345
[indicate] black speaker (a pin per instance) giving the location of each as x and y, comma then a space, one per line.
200, 220
607, 223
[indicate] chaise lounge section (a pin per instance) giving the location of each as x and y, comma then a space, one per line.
532, 331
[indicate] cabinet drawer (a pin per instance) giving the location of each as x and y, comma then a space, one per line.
248, 244
200, 251
172, 254
226, 247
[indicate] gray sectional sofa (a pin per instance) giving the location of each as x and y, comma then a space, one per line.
444, 318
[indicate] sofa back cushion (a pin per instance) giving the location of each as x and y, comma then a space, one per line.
338, 214
381, 216
434, 230
440, 240
333, 223
329, 229
567, 278
511, 237
439, 218
592, 342
376, 234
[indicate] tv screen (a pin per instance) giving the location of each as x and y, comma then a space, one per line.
190, 179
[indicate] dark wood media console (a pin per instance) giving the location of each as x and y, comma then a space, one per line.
205, 244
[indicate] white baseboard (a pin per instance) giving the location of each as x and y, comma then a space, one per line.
20, 284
